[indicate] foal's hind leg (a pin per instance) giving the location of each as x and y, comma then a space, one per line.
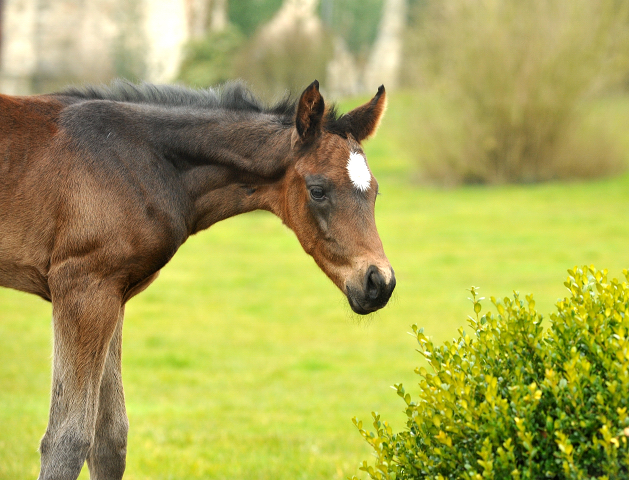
107, 457
86, 309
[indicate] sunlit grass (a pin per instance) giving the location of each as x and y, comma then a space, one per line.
244, 361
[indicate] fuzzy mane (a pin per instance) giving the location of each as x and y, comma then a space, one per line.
231, 96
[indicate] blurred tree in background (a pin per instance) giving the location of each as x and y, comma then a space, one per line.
209, 60
280, 46
248, 15
512, 77
355, 21
287, 63
494, 91
500, 85
287, 52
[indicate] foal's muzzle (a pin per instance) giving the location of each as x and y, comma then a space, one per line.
373, 294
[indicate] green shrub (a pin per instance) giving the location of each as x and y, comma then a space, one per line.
355, 21
209, 61
248, 15
277, 64
517, 401
514, 75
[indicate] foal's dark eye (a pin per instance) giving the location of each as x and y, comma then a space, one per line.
317, 193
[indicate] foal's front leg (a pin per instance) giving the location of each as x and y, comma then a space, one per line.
86, 310
107, 457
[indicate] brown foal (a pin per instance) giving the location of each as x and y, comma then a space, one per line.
100, 186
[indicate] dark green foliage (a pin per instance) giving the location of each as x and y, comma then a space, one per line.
286, 63
209, 61
517, 401
356, 21
248, 15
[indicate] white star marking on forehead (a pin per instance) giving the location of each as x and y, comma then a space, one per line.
359, 172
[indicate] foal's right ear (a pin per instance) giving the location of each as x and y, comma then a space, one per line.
309, 117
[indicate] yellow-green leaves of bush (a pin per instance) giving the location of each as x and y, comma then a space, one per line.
516, 400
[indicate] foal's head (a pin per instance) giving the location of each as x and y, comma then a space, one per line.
330, 196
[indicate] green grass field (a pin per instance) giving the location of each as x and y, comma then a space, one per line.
244, 361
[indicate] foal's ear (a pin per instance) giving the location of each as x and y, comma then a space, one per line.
309, 118
364, 120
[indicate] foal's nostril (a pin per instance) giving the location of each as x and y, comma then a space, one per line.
373, 294
372, 286
375, 283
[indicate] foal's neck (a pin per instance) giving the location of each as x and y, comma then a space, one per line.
230, 163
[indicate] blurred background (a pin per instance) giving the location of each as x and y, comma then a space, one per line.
502, 162
274, 44
500, 87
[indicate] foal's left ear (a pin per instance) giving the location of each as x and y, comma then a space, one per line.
309, 118
364, 120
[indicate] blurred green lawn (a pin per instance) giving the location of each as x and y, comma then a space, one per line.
244, 361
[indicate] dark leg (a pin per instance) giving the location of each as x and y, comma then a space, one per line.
107, 457
86, 310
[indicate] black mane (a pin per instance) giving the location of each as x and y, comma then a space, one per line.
230, 96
